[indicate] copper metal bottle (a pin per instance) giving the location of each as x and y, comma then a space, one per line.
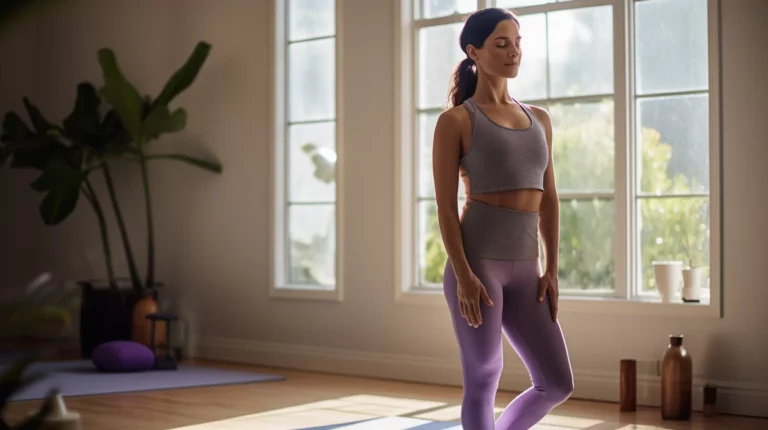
676, 381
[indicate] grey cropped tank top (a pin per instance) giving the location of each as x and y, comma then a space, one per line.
501, 158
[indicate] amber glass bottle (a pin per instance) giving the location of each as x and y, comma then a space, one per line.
676, 381
141, 327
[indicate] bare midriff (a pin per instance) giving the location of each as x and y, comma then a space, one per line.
527, 200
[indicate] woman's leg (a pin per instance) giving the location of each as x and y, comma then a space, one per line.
539, 342
480, 348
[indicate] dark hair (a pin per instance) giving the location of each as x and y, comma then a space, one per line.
477, 28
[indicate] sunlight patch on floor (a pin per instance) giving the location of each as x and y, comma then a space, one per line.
642, 427
383, 412
322, 413
574, 423
292, 421
387, 423
450, 413
386, 406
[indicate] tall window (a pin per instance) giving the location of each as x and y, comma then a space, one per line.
627, 84
306, 146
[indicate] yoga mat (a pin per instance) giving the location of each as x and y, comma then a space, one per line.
81, 378
392, 423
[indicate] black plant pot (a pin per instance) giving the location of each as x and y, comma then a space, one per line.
105, 314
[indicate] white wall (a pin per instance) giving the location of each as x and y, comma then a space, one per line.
214, 231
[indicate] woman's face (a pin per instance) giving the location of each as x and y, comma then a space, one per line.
500, 55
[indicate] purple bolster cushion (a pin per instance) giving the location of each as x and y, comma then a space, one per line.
123, 356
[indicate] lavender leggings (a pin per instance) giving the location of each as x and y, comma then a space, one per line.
527, 324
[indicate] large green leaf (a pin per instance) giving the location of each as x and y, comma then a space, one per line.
120, 93
82, 125
113, 131
15, 129
41, 125
62, 186
160, 120
30, 150
211, 166
184, 76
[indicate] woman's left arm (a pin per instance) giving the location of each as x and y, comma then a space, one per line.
549, 222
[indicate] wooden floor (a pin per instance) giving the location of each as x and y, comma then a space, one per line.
308, 399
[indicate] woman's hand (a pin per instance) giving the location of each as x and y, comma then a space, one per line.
470, 292
548, 287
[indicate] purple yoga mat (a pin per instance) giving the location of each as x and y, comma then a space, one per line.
80, 378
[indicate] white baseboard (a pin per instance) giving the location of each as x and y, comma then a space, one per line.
736, 398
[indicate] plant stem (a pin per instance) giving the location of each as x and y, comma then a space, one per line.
90, 194
135, 279
150, 225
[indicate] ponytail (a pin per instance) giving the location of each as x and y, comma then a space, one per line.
463, 82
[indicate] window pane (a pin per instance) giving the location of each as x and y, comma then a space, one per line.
312, 236
586, 245
312, 80
437, 8
426, 183
583, 146
673, 229
521, 3
438, 56
312, 162
432, 256
531, 82
426, 134
581, 51
311, 18
674, 144
671, 45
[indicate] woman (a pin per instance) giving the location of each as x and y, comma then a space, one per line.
494, 283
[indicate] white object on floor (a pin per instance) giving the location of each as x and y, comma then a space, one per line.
61, 418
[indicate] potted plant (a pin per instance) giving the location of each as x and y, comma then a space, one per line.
70, 156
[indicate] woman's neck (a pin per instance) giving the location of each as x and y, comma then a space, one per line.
491, 90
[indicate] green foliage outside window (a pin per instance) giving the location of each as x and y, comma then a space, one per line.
670, 228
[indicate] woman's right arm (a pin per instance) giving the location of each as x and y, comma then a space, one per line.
446, 154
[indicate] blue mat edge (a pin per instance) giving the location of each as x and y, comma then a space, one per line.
262, 377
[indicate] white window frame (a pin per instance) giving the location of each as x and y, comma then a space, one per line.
624, 300
279, 287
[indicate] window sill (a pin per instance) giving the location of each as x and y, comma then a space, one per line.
639, 306
307, 292
645, 306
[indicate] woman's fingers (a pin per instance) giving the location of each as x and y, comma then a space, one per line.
476, 309
470, 311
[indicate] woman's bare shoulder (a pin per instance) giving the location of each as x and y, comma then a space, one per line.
453, 119
541, 114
